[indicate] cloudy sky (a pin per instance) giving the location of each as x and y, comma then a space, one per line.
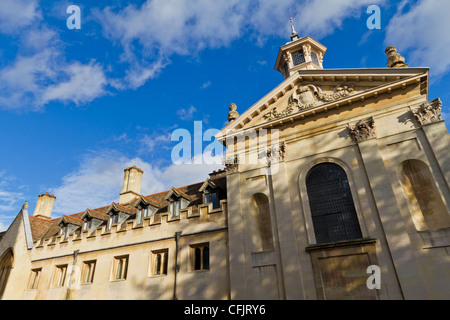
79, 106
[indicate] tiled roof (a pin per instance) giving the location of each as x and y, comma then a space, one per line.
96, 214
73, 220
39, 226
44, 229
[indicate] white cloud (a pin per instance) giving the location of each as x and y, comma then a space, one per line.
31, 82
151, 33
320, 18
422, 34
98, 180
186, 114
85, 83
149, 142
39, 73
205, 85
16, 14
11, 200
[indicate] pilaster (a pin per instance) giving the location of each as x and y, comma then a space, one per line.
289, 252
407, 269
236, 250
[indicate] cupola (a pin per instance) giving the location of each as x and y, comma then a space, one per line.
299, 54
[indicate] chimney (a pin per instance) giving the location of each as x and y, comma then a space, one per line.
131, 184
44, 206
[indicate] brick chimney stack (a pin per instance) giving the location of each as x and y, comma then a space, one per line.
131, 184
44, 206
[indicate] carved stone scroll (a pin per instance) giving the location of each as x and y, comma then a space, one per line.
428, 112
362, 130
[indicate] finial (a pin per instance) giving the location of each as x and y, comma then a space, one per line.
395, 60
294, 35
233, 114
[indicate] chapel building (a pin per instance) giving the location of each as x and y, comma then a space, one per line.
336, 186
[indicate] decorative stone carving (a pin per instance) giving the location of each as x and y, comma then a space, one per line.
233, 114
231, 164
428, 112
306, 97
277, 152
307, 50
339, 93
287, 57
395, 60
363, 130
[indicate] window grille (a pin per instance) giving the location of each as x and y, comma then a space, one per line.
314, 58
298, 57
332, 208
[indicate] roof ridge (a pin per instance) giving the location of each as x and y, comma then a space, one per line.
64, 215
47, 220
96, 212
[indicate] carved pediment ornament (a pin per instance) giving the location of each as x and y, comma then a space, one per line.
362, 130
306, 97
275, 152
428, 112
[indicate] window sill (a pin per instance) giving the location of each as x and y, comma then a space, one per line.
158, 276
346, 243
200, 271
86, 284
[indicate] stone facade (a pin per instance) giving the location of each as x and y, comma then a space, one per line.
381, 148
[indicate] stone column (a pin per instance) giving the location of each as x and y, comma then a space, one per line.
401, 250
236, 250
429, 117
290, 260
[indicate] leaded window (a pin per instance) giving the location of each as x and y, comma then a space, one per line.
332, 209
314, 58
298, 57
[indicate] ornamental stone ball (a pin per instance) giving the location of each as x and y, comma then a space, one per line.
233, 114
395, 59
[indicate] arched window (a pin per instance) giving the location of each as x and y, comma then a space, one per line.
332, 209
6, 263
427, 209
262, 238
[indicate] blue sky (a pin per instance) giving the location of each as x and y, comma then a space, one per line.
79, 106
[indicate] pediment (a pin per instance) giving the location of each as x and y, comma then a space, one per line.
142, 200
94, 214
177, 193
208, 184
312, 91
116, 207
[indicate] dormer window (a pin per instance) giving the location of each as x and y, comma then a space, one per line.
64, 231
174, 208
212, 197
142, 213
113, 219
87, 224
177, 200
139, 216
210, 193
